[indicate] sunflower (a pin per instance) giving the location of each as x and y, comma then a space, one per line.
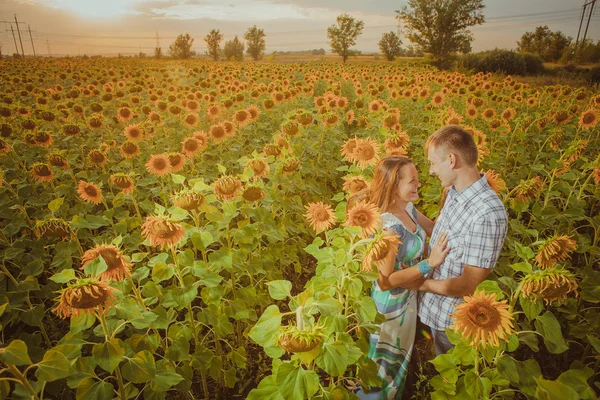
366, 152
97, 158
553, 284
381, 251
271, 149
42, 172
227, 187
162, 232
290, 128
438, 99
52, 227
260, 167
43, 139
187, 199
526, 190
350, 117
124, 114
191, 146
483, 320
159, 164
509, 114
218, 133
84, 296
320, 216
365, 215
123, 182
488, 113
118, 266
290, 166
555, 249
241, 117
348, 149
177, 161
596, 174
561, 117
355, 184
253, 111
495, 182
95, 122
89, 192
330, 119
374, 106
129, 149
4, 147
305, 119
253, 194
588, 119
191, 120
397, 142
133, 133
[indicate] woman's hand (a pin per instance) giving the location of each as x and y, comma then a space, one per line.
439, 251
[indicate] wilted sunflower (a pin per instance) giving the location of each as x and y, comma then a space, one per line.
43, 139
129, 149
260, 167
42, 172
123, 182
97, 158
365, 215
528, 189
159, 164
133, 133
588, 119
355, 184
330, 119
227, 187
596, 173
494, 180
483, 319
397, 142
271, 149
52, 227
162, 232
551, 285
177, 161
84, 296
89, 192
320, 216
305, 119
187, 199
253, 193
348, 149
118, 266
381, 251
292, 165
555, 249
366, 152
56, 160
290, 128
561, 117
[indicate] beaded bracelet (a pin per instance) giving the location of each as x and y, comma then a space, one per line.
424, 267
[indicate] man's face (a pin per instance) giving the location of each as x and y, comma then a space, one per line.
439, 165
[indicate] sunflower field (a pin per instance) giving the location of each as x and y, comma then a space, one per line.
179, 230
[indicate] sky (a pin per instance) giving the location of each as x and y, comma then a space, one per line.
109, 27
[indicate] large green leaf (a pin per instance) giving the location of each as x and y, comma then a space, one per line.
296, 383
63, 276
15, 353
266, 329
554, 390
576, 379
280, 290
139, 369
166, 377
548, 326
53, 366
334, 357
109, 354
267, 390
89, 389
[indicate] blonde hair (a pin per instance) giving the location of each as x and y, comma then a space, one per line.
384, 185
454, 139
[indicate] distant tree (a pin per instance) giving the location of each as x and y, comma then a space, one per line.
544, 43
390, 45
343, 35
440, 27
158, 52
181, 48
255, 40
586, 52
213, 41
234, 50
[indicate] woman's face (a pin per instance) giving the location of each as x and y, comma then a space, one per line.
409, 184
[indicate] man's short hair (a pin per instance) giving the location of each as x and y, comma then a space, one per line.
454, 139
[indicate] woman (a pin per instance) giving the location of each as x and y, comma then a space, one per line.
393, 190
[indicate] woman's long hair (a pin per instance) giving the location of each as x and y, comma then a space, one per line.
384, 185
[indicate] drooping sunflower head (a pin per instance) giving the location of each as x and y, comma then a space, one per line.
42, 172
355, 184
162, 232
187, 199
259, 166
56, 160
554, 250
483, 319
123, 182
495, 181
552, 284
97, 158
84, 296
290, 128
177, 161
381, 251
43, 138
397, 142
526, 190
227, 187
291, 165
129, 149
365, 215
118, 268
293, 340
320, 216
253, 194
52, 227
348, 149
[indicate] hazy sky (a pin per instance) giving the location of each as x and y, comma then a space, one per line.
131, 26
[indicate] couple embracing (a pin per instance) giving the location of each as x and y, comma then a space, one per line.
465, 243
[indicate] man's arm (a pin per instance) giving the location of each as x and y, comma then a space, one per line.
460, 286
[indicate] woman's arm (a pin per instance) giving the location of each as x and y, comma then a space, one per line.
425, 223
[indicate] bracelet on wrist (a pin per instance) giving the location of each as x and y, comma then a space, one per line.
424, 267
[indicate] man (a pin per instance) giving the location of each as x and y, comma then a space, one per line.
475, 221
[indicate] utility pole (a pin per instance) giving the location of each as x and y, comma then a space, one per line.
593, 2
31, 37
590, 3
14, 38
19, 32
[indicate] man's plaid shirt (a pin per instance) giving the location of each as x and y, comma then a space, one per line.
476, 223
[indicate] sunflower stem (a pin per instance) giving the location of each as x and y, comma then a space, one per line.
23, 380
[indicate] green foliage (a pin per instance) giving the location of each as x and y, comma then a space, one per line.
440, 27
544, 43
181, 48
502, 61
390, 45
255, 42
342, 36
213, 41
234, 50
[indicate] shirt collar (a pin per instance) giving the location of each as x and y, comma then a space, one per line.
469, 192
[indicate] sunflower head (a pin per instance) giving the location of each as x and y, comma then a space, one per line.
365, 215
483, 319
56, 160
52, 227
253, 194
495, 181
89, 192
554, 250
159, 164
123, 182
380, 251
162, 232
355, 184
97, 158
526, 190
42, 172
320, 216
84, 296
589, 118
187, 199
118, 268
177, 161
552, 284
227, 187
366, 152
293, 340
134, 133
291, 165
